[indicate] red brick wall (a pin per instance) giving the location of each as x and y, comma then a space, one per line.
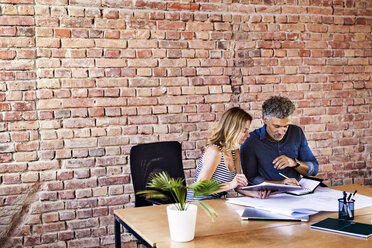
82, 81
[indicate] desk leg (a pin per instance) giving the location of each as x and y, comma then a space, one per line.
119, 222
117, 234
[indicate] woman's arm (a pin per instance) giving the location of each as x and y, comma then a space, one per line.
211, 159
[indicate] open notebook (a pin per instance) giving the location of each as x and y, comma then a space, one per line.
273, 187
308, 186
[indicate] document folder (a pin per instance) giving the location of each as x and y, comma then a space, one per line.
261, 214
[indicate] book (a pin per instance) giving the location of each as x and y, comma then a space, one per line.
273, 187
356, 229
261, 214
308, 186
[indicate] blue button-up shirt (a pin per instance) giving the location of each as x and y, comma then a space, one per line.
258, 152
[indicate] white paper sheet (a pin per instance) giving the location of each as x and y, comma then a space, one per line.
323, 199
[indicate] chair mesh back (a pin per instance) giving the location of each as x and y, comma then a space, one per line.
152, 158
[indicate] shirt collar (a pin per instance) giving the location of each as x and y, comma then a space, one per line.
262, 132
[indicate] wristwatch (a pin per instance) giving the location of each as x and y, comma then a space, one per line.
297, 163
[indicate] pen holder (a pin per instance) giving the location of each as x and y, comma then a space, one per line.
345, 209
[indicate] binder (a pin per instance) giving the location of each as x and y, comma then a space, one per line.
345, 227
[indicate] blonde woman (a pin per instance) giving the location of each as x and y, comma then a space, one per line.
221, 158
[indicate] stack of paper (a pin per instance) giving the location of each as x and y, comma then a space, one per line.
273, 205
323, 199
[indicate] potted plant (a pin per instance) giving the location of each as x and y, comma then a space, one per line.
181, 214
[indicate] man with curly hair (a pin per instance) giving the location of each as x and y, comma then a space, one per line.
277, 147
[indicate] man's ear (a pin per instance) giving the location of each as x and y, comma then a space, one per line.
265, 120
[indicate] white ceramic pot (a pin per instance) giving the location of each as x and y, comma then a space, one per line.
182, 223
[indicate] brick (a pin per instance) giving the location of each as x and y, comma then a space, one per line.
105, 43
80, 63
81, 203
5, 157
7, 31
121, 180
198, 26
27, 146
83, 193
51, 227
16, 20
30, 177
110, 23
43, 165
65, 235
77, 103
24, 156
90, 242
144, 44
26, 54
76, 22
11, 179
202, 44
81, 183
172, 63
25, 125
110, 63
113, 200
16, 65
81, 143
7, 55
81, 173
76, 43
55, 2
142, 63
48, 42
108, 161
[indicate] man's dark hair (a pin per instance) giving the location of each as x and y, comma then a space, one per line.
278, 106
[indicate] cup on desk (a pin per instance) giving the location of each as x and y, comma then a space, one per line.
346, 209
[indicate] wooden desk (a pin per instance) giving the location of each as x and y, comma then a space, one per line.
150, 224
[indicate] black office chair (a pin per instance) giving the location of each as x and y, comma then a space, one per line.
153, 158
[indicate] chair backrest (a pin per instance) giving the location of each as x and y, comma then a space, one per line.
152, 158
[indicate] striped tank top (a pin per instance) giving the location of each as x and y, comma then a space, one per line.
221, 175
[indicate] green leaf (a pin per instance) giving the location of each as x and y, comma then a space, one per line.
208, 210
161, 181
204, 187
152, 194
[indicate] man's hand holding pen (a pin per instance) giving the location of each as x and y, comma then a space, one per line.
289, 181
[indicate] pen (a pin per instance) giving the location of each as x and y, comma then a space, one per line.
283, 175
352, 196
344, 206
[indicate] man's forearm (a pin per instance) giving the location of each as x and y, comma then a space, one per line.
303, 168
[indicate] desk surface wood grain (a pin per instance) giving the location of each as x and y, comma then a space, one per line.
229, 230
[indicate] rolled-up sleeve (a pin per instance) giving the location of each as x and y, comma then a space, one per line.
307, 156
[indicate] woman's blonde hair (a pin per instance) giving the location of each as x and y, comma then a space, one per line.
226, 133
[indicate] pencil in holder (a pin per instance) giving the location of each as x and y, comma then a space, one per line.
345, 209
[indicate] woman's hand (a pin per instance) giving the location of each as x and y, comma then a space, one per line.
263, 194
239, 181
